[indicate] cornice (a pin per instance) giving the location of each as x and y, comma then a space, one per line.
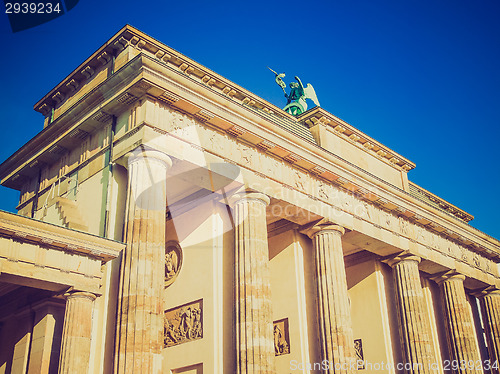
351, 134
434, 200
29, 230
93, 109
130, 36
83, 72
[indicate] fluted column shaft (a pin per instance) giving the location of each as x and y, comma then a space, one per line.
490, 307
254, 324
414, 326
77, 327
140, 317
334, 315
459, 324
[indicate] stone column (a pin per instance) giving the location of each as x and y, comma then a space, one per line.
46, 337
490, 307
77, 327
254, 321
334, 315
23, 334
458, 321
142, 277
414, 326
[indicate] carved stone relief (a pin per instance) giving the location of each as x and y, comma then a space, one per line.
281, 337
360, 357
363, 210
404, 227
476, 260
173, 261
246, 154
421, 235
488, 265
454, 250
273, 166
434, 241
215, 141
299, 182
181, 124
347, 202
387, 221
322, 191
464, 254
183, 323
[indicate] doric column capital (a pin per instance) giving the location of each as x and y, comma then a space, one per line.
321, 227
490, 291
147, 154
250, 196
451, 275
493, 292
79, 294
401, 257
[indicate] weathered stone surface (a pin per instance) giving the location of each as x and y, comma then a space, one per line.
334, 316
414, 330
254, 324
75, 345
490, 305
460, 331
140, 321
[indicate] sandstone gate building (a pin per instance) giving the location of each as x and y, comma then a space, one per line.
172, 222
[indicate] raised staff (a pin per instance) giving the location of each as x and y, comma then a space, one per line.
296, 99
279, 80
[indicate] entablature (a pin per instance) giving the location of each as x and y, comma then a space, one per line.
28, 230
46, 256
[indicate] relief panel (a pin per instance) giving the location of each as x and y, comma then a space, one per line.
281, 337
360, 356
183, 323
173, 261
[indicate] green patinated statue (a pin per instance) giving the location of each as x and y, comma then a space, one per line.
296, 99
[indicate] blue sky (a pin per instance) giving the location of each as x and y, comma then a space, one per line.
421, 77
